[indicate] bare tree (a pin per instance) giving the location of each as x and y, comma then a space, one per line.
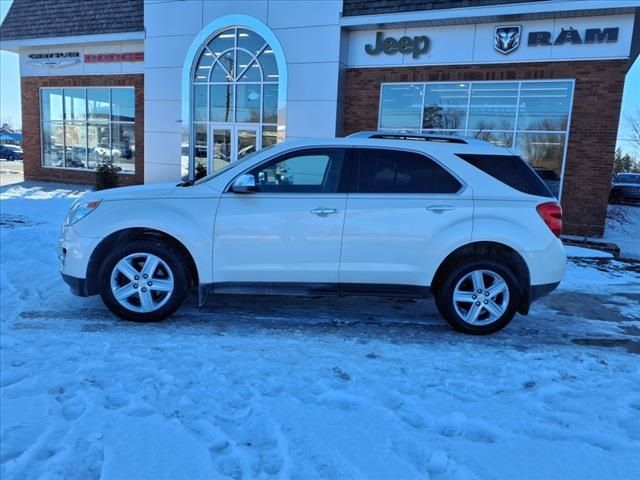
633, 120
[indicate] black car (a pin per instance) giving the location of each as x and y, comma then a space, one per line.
11, 152
625, 188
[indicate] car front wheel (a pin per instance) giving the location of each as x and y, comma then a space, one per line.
478, 297
143, 281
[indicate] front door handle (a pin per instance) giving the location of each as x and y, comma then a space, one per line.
323, 211
440, 208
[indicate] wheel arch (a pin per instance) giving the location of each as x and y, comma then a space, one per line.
493, 250
128, 235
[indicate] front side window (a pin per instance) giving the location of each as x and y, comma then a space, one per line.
84, 126
393, 171
308, 171
529, 116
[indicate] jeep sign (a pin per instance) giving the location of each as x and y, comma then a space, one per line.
390, 46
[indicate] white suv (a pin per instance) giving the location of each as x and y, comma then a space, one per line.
374, 213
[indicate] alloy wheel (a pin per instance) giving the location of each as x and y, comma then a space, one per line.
142, 282
481, 297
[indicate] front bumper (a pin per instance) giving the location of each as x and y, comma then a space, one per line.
630, 197
74, 253
78, 285
626, 194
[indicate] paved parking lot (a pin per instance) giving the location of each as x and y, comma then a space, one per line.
11, 172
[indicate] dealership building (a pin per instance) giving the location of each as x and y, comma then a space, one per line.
167, 89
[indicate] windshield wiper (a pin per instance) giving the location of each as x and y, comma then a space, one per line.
188, 183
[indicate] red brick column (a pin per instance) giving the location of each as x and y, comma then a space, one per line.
33, 169
592, 136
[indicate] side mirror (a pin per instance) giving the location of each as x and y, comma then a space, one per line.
244, 184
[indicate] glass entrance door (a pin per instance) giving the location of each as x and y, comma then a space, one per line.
221, 147
231, 142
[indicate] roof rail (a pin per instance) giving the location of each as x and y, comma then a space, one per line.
410, 136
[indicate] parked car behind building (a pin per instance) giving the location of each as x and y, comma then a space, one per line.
625, 188
11, 152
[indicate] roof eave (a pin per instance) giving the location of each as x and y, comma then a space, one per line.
494, 13
18, 44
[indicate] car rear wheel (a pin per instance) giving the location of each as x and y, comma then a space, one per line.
478, 297
10, 158
143, 281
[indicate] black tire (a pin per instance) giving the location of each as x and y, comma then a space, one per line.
164, 252
445, 294
10, 158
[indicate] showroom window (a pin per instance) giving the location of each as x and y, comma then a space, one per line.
82, 127
529, 116
235, 81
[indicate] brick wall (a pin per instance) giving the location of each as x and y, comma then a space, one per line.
592, 136
33, 169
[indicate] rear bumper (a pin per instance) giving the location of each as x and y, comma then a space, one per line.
78, 285
546, 269
537, 291
547, 266
534, 293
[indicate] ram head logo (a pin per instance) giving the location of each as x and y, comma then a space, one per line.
507, 39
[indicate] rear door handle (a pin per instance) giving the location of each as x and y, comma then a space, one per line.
440, 208
323, 211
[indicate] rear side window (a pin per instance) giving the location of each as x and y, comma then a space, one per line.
391, 171
511, 170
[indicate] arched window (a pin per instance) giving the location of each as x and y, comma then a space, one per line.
235, 98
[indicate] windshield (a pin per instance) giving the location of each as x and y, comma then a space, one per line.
232, 165
628, 178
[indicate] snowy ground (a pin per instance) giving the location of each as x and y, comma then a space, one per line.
268, 387
11, 172
623, 229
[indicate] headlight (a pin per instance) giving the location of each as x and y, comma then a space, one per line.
81, 209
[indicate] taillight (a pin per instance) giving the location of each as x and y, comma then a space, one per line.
551, 213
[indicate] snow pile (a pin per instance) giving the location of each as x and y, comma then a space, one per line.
623, 229
268, 387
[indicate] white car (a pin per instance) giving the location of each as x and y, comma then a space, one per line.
374, 213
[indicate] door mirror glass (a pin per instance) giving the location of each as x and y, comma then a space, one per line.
244, 184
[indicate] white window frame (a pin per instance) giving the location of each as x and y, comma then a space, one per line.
191, 58
86, 123
233, 123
